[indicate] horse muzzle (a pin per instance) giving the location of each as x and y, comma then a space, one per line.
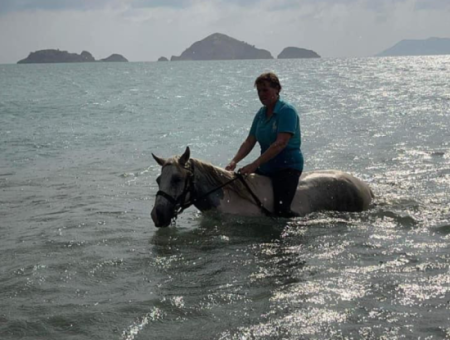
162, 217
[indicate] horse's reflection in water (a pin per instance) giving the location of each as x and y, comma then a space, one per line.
185, 181
212, 229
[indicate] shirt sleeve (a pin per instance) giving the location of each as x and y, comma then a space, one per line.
288, 120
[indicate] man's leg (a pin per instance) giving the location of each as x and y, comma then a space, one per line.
285, 184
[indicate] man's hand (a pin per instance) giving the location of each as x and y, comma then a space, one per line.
249, 169
231, 166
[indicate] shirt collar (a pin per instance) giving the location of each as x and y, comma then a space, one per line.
278, 105
276, 109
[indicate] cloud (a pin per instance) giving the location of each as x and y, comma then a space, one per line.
7, 6
51, 5
432, 5
160, 3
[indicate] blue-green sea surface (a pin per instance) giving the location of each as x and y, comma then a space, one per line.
81, 259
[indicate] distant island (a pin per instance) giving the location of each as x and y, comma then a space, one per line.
163, 59
222, 47
297, 53
57, 56
115, 58
430, 46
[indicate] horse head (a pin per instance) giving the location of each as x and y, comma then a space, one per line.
174, 184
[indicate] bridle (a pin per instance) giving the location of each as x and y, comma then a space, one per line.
181, 204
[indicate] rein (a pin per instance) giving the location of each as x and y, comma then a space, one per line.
181, 204
257, 200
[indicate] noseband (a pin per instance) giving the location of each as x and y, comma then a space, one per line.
180, 202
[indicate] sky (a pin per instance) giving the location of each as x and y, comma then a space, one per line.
144, 30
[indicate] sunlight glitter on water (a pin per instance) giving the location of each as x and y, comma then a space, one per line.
133, 330
82, 259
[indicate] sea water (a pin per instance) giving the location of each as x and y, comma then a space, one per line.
81, 258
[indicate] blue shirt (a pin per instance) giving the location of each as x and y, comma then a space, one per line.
284, 119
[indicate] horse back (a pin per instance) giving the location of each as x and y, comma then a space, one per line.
333, 190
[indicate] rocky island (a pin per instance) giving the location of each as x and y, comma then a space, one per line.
430, 46
57, 56
115, 58
222, 47
297, 53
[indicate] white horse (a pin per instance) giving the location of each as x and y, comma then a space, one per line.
185, 181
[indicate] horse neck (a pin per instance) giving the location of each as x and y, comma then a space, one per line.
207, 178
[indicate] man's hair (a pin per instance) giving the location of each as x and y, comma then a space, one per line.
269, 77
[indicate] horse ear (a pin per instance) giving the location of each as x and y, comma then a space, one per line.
160, 161
183, 159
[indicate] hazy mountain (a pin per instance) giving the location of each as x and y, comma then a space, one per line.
430, 46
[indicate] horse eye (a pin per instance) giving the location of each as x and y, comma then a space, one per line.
176, 180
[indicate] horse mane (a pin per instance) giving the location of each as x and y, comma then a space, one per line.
219, 176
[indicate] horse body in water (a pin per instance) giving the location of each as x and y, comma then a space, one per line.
185, 181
